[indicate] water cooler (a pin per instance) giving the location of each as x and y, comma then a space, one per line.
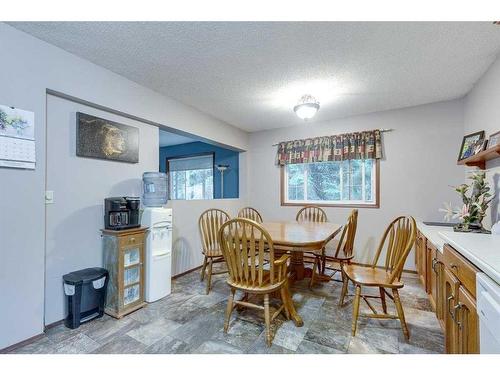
158, 255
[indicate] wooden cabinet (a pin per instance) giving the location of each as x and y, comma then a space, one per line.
450, 281
431, 279
451, 286
438, 269
123, 257
467, 323
461, 320
421, 258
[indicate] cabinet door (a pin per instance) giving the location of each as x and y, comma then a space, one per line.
131, 276
422, 261
438, 269
467, 322
451, 285
431, 274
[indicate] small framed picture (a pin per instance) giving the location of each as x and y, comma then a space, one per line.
471, 145
494, 139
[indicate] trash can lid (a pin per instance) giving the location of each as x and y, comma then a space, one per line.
85, 275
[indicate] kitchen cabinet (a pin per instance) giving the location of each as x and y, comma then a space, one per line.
467, 323
123, 257
438, 269
450, 281
451, 286
421, 258
461, 320
431, 275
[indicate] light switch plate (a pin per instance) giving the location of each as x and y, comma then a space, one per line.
49, 196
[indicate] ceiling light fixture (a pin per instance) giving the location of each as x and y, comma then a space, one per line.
307, 107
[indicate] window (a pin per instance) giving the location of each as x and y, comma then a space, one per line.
191, 177
336, 183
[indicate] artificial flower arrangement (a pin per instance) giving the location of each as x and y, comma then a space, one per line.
475, 197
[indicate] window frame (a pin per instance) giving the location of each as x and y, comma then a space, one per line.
375, 204
167, 169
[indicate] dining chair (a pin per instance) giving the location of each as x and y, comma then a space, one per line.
343, 252
209, 224
313, 214
250, 213
397, 241
243, 243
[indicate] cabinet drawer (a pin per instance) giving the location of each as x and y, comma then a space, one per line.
134, 239
461, 268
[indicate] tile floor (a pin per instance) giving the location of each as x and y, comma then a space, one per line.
188, 321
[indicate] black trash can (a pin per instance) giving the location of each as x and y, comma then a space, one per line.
85, 292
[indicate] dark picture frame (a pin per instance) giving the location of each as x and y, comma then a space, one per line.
98, 138
471, 145
494, 139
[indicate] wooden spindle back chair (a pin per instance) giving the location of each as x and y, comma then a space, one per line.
311, 213
344, 251
397, 242
209, 224
250, 213
244, 243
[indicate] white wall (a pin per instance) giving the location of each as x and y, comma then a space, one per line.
482, 112
28, 67
73, 222
419, 165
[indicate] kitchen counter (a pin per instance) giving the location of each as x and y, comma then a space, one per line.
482, 250
432, 234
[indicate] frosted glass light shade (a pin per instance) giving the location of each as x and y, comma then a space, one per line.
306, 110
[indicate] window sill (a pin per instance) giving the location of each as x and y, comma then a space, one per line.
354, 205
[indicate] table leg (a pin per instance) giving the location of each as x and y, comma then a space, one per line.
286, 297
297, 268
294, 315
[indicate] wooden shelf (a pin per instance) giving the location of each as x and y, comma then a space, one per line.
480, 159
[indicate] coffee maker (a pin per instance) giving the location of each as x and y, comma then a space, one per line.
121, 213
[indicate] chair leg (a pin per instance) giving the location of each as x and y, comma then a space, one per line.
382, 298
267, 317
229, 309
209, 278
323, 261
345, 284
315, 267
203, 268
401, 313
355, 311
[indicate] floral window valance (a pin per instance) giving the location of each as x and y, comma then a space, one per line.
360, 145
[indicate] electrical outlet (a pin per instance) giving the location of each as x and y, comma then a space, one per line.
49, 196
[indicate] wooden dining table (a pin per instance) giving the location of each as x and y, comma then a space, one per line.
297, 238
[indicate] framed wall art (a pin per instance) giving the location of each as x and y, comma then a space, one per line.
104, 139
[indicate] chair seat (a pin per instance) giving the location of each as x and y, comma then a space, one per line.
369, 276
265, 287
212, 252
341, 257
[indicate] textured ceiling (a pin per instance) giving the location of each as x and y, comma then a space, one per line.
171, 139
250, 74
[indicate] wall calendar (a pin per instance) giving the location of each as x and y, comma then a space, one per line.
17, 138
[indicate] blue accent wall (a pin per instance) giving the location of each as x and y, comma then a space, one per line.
222, 156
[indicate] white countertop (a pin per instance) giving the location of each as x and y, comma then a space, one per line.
482, 250
432, 234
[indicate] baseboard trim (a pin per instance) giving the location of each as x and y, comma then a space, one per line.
20, 344
185, 272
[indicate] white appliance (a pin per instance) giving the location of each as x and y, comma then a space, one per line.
488, 310
158, 252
